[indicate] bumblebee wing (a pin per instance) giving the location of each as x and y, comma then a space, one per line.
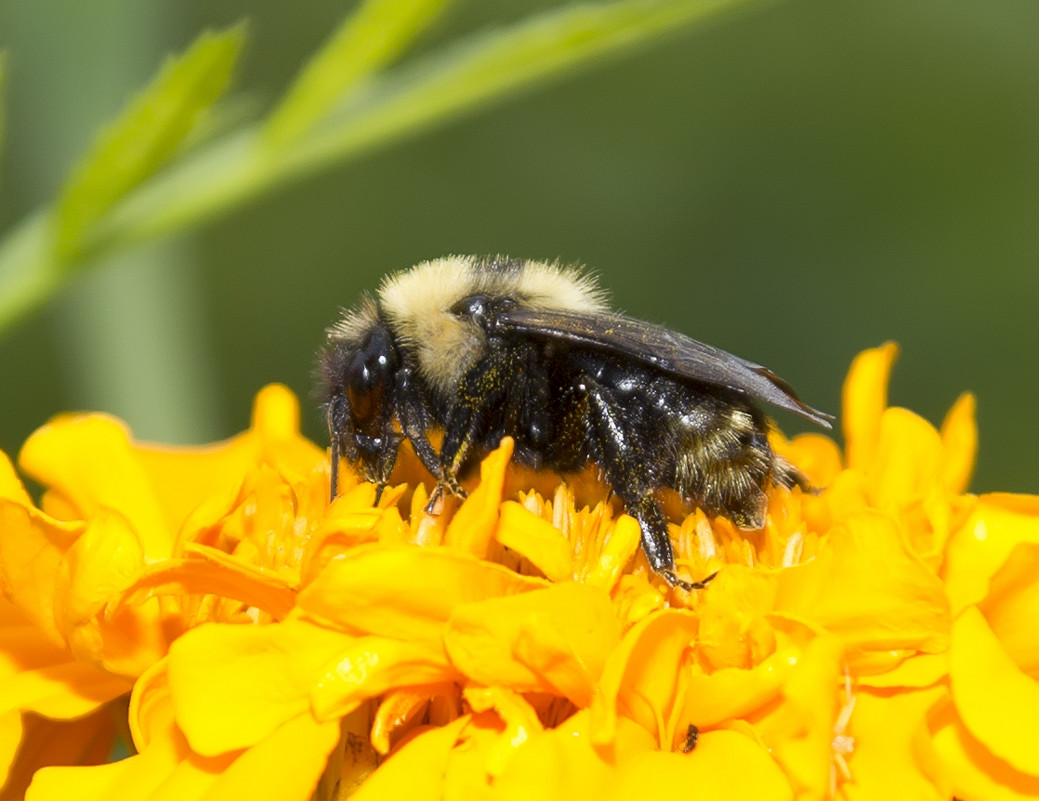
659, 347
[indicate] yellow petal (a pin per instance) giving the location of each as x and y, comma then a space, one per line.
10, 739
404, 591
881, 760
730, 693
816, 455
150, 709
971, 769
724, 764
977, 549
212, 572
554, 640
233, 685
87, 740
165, 771
32, 550
369, 666
907, 461
416, 771
89, 461
97, 568
520, 720
864, 401
38, 676
959, 443
919, 670
644, 679
400, 709
799, 731
284, 766
536, 539
275, 421
65, 689
473, 525
11, 487
998, 703
869, 589
564, 764
622, 543
1012, 607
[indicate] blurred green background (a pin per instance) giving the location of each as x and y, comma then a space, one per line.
793, 183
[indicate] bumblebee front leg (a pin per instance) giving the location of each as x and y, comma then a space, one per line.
416, 419
623, 453
480, 392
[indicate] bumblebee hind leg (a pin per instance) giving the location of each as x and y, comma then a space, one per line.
623, 453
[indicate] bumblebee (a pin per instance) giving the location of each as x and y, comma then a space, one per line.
483, 348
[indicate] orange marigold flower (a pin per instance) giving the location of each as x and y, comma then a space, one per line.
243, 637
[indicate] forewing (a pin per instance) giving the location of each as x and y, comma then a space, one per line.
662, 348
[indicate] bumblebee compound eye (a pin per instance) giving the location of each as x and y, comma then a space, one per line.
359, 368
368, 379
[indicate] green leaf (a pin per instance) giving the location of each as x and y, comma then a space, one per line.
239, 166
493, 65
486, 67
148, 131
369, 39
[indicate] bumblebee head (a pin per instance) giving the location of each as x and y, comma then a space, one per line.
359, 365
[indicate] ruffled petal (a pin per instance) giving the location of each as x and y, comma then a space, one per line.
1011, 607
284, 766
32, 549
881, 760
997, 702
370, 666
520, 721
233, 685
554, 640
88, 462
401, 710
872, 591
165, 771
405, 592
798, 731
212, 572
86, 740
38, 676
907, 462
192, 475
416, 771
971, 770
644, 678
564, 763
724, 764
980, 546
